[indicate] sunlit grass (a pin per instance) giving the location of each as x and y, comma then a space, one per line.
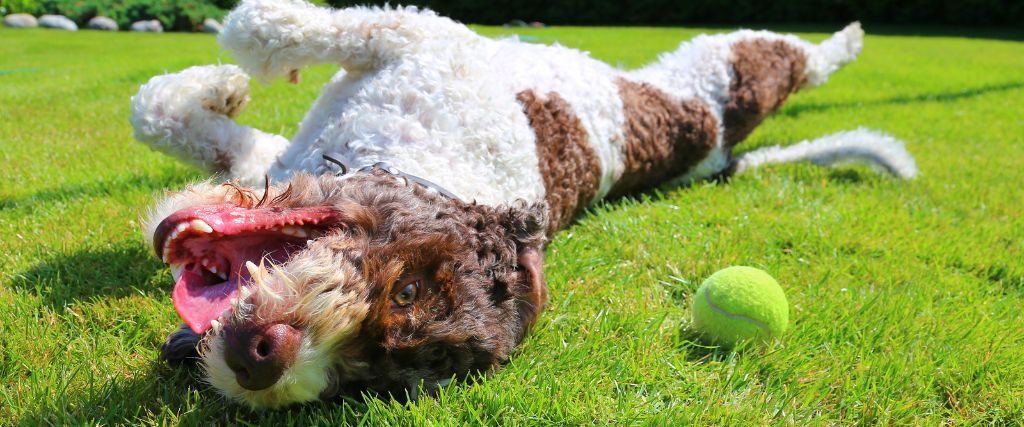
906, 296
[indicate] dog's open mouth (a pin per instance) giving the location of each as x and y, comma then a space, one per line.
207, 248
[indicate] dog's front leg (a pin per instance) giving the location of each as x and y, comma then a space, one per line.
275, 38
188, 115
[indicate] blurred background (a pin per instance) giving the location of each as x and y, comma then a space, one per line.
188, 15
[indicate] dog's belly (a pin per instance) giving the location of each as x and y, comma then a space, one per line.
457, 128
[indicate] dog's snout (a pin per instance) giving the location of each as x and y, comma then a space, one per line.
259, 355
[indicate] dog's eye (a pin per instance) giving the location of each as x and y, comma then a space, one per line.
407, 294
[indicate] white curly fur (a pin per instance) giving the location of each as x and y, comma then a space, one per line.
426, 94
872, 148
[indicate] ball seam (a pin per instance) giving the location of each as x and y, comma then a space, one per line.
707, 297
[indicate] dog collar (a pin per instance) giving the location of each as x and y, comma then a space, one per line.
346, 168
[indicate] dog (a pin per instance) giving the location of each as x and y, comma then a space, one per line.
395, 243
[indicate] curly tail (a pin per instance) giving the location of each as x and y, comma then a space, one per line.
875, 149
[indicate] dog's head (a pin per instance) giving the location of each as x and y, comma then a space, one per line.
326, 285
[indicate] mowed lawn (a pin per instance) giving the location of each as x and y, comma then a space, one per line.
906, 297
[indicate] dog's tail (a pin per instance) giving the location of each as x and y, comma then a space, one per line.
876, 149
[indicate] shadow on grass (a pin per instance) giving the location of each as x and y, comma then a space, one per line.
100, 188
794, 110
872, 29
162, 393
115, 272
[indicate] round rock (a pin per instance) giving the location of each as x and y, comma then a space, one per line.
150, 26
20, 20
102, 23
211, 25
57, 22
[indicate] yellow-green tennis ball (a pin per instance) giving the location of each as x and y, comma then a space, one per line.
740, 303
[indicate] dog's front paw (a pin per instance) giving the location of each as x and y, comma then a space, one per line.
227, 90
178, 98
182, 346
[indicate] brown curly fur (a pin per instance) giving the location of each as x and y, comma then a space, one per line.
568, 164
478, 294
766, 72
665, 137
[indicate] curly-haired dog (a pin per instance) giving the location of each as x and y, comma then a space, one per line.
391, 278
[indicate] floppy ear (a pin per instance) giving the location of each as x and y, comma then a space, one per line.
533, 292
527, 226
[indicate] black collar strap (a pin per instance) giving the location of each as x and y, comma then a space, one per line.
346, 167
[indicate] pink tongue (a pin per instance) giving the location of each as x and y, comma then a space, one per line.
197, 303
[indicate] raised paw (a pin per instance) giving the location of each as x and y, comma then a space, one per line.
226, 88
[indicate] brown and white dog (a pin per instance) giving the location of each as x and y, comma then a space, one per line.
394, 277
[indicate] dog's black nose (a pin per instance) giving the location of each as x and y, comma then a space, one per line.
259, 354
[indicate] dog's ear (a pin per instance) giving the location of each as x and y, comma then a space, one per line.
527, 226
533, 289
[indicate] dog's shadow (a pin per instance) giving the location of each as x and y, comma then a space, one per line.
113, 272
159, 391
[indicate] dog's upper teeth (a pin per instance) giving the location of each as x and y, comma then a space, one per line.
198, 224
293, 230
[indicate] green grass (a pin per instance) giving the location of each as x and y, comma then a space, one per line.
906, 296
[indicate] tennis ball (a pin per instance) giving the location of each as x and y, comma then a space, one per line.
739, 303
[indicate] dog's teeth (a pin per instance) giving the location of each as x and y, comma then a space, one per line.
215, 324
198, 224
254, 271
181, 227
176, 270
222, 275
205, 262
296, 231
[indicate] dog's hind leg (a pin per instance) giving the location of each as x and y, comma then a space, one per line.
746, 75
276, 38
188, 115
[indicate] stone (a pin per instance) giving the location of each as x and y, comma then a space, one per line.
211, 25
102, 23
57, 22
20, 20
150, 26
